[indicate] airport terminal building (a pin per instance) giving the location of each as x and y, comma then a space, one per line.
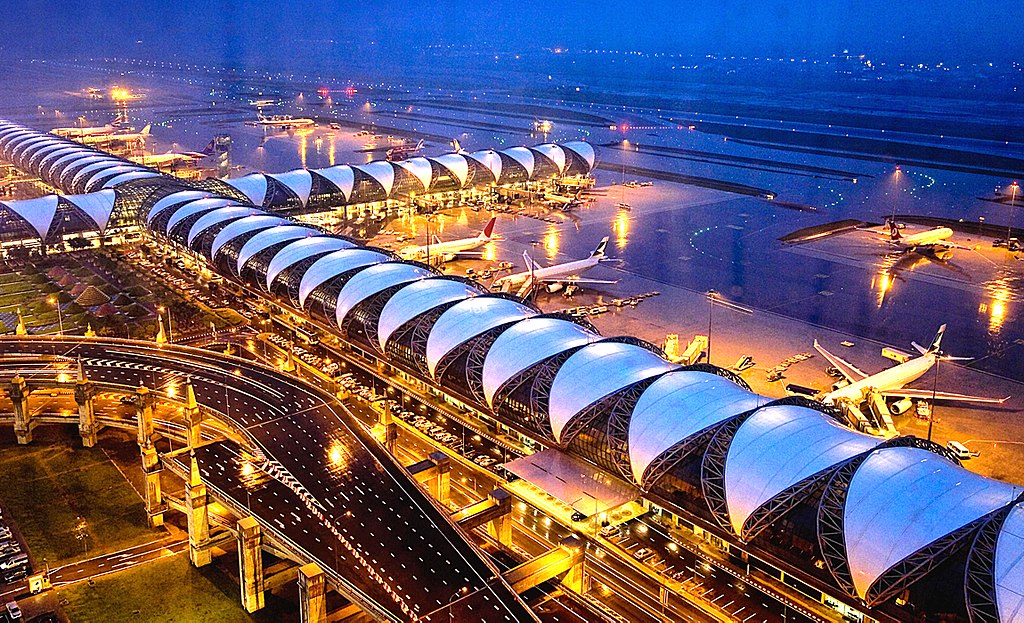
894, 529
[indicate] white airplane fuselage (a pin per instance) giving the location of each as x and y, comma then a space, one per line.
448, 248
551, 273
893, 378
926, 238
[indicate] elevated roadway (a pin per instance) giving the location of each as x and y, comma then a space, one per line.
331, 485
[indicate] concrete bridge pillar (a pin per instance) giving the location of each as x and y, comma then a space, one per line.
23, 425
198, 518
501, 527
576, 579
85, 392
151, 468
312, 594
193, 416
250, 563
441, 483
144, 415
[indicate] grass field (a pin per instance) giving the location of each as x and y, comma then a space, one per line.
168, 590
49, 490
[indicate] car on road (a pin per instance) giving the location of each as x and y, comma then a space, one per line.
643, 553
578, 516
609, 531
12, 611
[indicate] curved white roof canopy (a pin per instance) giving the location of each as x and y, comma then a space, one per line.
127, 177
39, 156
374, 280
78, 163
270, 237
37, 212
777, 447
97, 205
341, 176
243, 226
107, 172
553, 153
380, 171
584, 150
420, 169
595, 371
192, 208
173, 199
417, 298
299, 181
301, 250
21, 147
678, 406
935, 498
490, 160
88, 172
468, 319
455, 163
13, 135
90, 164
527, 343
523, 156
59, 155
253, 186
334, 264
1008, 567
218, 216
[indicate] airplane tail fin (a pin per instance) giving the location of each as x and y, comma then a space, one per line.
934, 346
489, 228
145, 130
436, 239
208, 150
530, 264
599, 251
456, 145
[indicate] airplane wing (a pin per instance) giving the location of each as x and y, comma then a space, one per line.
927, 395
577, 280
850, 371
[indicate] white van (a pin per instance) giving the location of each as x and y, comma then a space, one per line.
959, 450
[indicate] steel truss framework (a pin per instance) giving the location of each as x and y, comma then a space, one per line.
712, 467
831, 529
979, 576
615, 411
469, 379
413, 336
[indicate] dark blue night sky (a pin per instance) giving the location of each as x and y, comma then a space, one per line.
917, 31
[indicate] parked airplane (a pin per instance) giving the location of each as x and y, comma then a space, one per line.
861, 387
403, 151
169, 158
554, 278
120, 137
79, 133
447, 251
282, 121
933, 241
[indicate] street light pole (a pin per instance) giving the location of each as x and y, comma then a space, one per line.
53, 300
1013, 200
935, 388
711, 305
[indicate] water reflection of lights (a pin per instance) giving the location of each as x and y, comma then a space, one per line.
330, 152
621, 228
551, 242
302, 149
1001, 295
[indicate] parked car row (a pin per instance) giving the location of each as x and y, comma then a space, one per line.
13, 560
